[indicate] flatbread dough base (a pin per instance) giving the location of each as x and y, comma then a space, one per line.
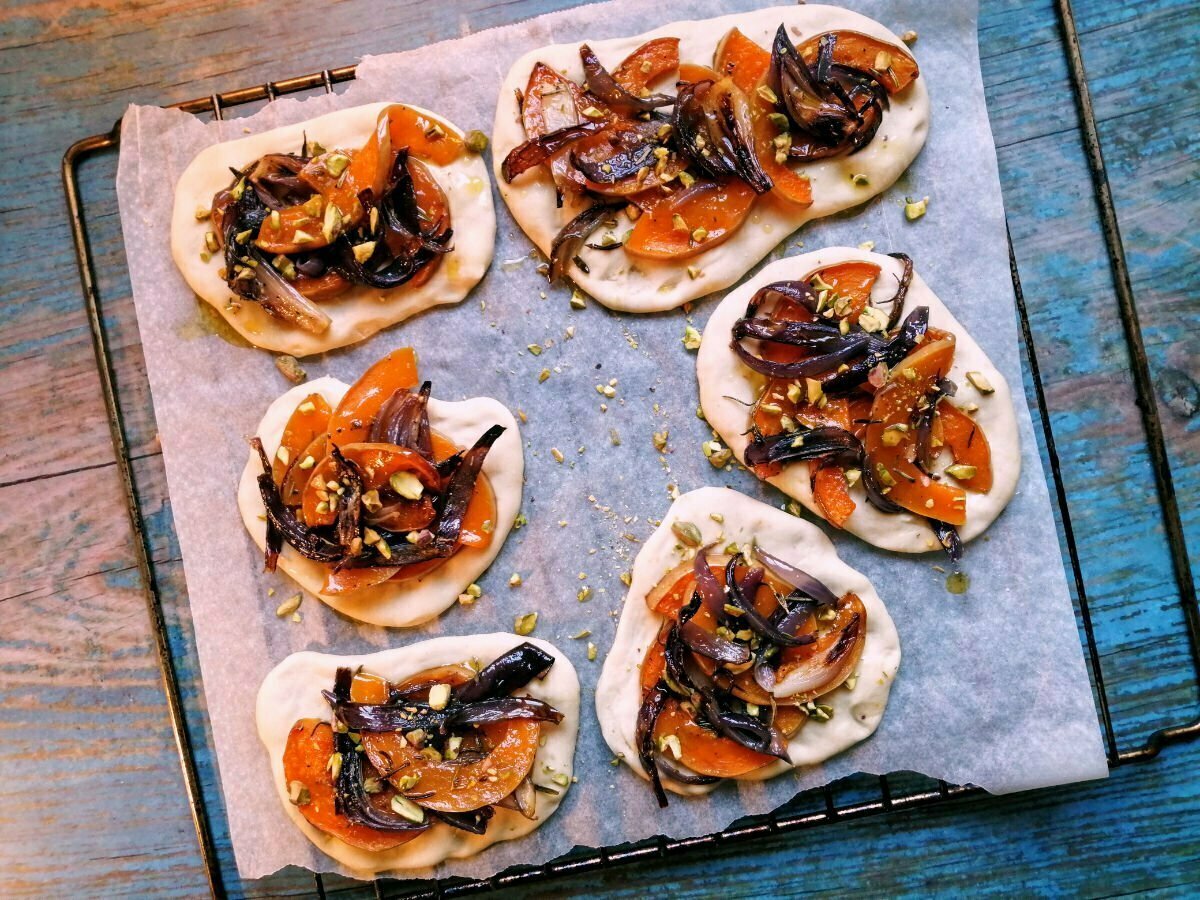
726, 385
361, 311
415, 600
624, 283
292, 691
857, 713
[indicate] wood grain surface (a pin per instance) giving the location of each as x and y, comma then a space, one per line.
91, 797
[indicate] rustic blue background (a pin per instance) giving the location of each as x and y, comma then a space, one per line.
91, 800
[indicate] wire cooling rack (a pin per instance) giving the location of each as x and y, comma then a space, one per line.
818, 806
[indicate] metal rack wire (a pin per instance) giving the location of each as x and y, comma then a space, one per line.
890, 799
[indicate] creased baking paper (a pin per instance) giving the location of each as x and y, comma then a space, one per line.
993, 688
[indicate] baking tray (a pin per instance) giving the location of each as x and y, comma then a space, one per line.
819, 806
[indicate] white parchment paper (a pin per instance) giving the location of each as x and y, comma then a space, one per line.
993, 688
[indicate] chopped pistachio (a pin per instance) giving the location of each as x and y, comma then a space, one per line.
331, 224
584, 593
852, 477
364, 251
700, 235
961, 471
688, 533
883, 61
282, 455
238, 189
334, 766
660, 440
694, 272
872, 320
914, 209
980, 383
679, 223
780, 121
407, 485
560, 779
771, 409
591, 652
384, 550
717, 455
858, 179
202, 213
909, 37
686, 179
439, 696
543, 375
289, 606
301, 237
476, 141
765, 92
557, 454
284, 267
298, 793
885, 477
370, 499
514, 580
289, 367
524, 625
336, 163
593, 112
314, 206
691, 338
405, 807
818, 712
210, 242
583, 634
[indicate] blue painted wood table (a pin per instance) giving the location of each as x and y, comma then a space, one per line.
91, 797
